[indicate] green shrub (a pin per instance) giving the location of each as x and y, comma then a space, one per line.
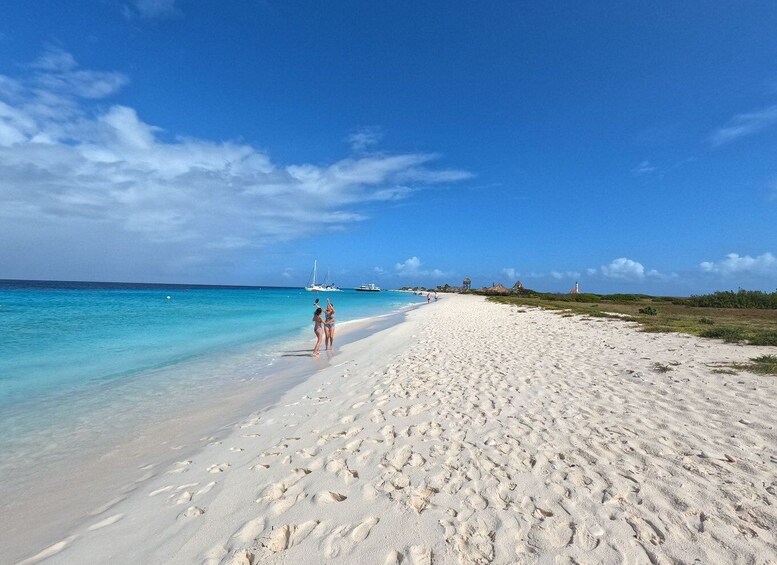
624, 297
763, 338
725, 333
706, 321
648, 311
763, 365
740, 299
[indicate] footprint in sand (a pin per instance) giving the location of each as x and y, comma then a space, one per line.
582, 538
400, 457
218, 468
107, 522
243, 557
292, 497
361, 531
307, 452
645, 530
250, 530
290, 535
420, 555
328, 496
419, 498
344, 538
207, 488
354, 446
340, 468
549, 534
49, 551
192, 512
180, 467
388, 434
160, 490
394, 558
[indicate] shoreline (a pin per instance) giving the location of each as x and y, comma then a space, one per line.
89, 483
474, 432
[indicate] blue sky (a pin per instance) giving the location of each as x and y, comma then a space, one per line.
629, 145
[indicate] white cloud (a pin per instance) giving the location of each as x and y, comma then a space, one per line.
364, 138
55, 60
87, 168
433, 177
412, 268
57, 71
409, 266
734, 264
511, 273
744, 124
623, 268
644, 168
627, 269
565, 275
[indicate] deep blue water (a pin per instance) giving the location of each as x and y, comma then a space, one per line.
72, 353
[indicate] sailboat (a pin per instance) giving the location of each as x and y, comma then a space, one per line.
313, 286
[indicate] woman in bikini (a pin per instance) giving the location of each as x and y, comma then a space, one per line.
329, 325
318, 329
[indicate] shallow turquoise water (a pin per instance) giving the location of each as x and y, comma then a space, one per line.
80, 356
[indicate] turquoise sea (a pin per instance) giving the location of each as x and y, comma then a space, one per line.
80, 359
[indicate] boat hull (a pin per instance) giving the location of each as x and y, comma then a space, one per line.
372, 287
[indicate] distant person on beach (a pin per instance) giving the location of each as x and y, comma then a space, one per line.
428, 297
329, 325
318, 329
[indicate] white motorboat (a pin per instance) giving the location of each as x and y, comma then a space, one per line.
371, 287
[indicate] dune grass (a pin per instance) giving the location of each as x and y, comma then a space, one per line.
661, 314
763, 365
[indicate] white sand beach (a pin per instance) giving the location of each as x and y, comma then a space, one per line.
473, 433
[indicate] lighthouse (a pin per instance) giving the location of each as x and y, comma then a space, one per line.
575, 290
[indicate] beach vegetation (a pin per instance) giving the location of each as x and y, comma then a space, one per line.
762, 365
739, 299
745, 325
726, 333
764, 338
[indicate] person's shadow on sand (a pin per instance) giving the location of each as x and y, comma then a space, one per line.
297, 353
